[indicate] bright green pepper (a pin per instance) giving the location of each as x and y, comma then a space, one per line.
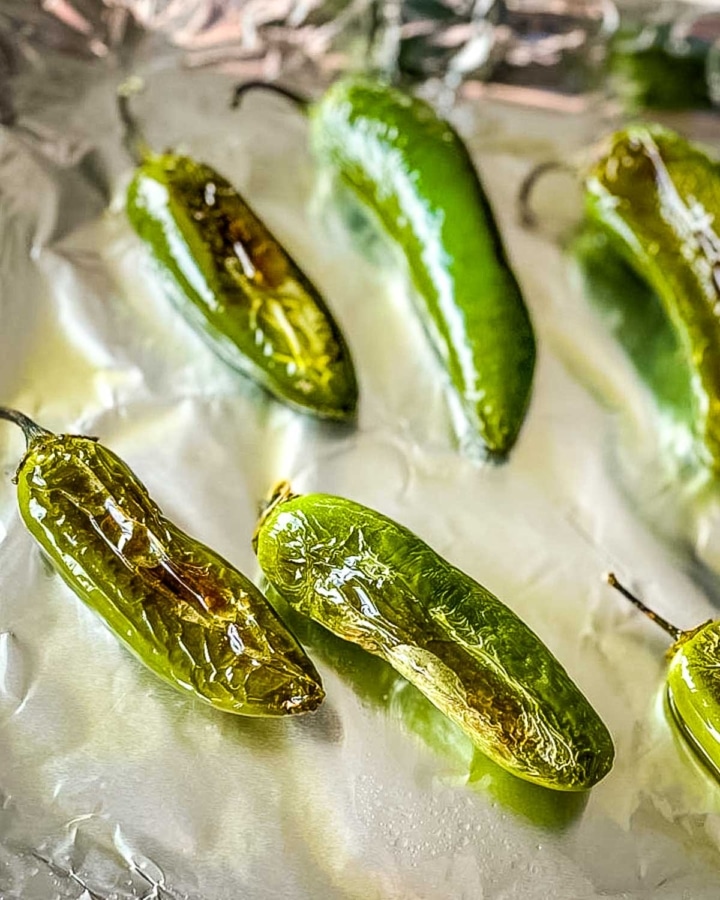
234, 282
414, 172
370, 581
632, 312
185, 612
657, 198
693, 682
651, 69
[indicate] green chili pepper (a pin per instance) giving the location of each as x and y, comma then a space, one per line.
632, 312
657, 198
651, 69
373, 582
233, 281
413, 170
693, 682
185, 612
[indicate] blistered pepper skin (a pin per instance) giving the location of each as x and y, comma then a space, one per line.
373, 582
185, 612
657, 198
233, 281
693, 690
414, 172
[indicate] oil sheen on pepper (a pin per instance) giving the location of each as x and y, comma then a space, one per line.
183, 610
373, 582
693, 691
693, 681
657, 198
234, 282
413, 170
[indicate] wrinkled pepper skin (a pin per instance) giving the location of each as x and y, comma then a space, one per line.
414, 172
233, 281
373, 582
657, 198
185, 612
693, 691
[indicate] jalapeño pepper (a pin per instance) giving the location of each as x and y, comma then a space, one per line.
655, 66
185, 612
657, 199
234, 282
370, 581
693, 682
413, 171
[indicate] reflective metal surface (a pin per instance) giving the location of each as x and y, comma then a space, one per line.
114, 786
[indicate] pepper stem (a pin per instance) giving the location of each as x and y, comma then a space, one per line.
279, 494
239, 93
133, 138
674, 632
527, 216
32, 431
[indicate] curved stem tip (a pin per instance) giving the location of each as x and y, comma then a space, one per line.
242, 89
527, 216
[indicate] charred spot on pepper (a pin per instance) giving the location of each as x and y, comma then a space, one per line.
190, 585
233, 231
493, 698
260, 256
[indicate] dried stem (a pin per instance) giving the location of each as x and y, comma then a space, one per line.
674, 632
280, 493
133, 138
32, 431
242, 89
527, 216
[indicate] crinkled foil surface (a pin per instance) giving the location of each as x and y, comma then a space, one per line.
113, 785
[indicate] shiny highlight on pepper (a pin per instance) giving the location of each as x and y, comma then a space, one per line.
184, 611
372, 582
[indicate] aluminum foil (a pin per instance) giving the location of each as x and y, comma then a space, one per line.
114, 786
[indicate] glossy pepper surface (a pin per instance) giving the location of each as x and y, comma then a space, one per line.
235, 283
183, 610
657, 198
371, 581
651, 67
693, 682
413, 170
